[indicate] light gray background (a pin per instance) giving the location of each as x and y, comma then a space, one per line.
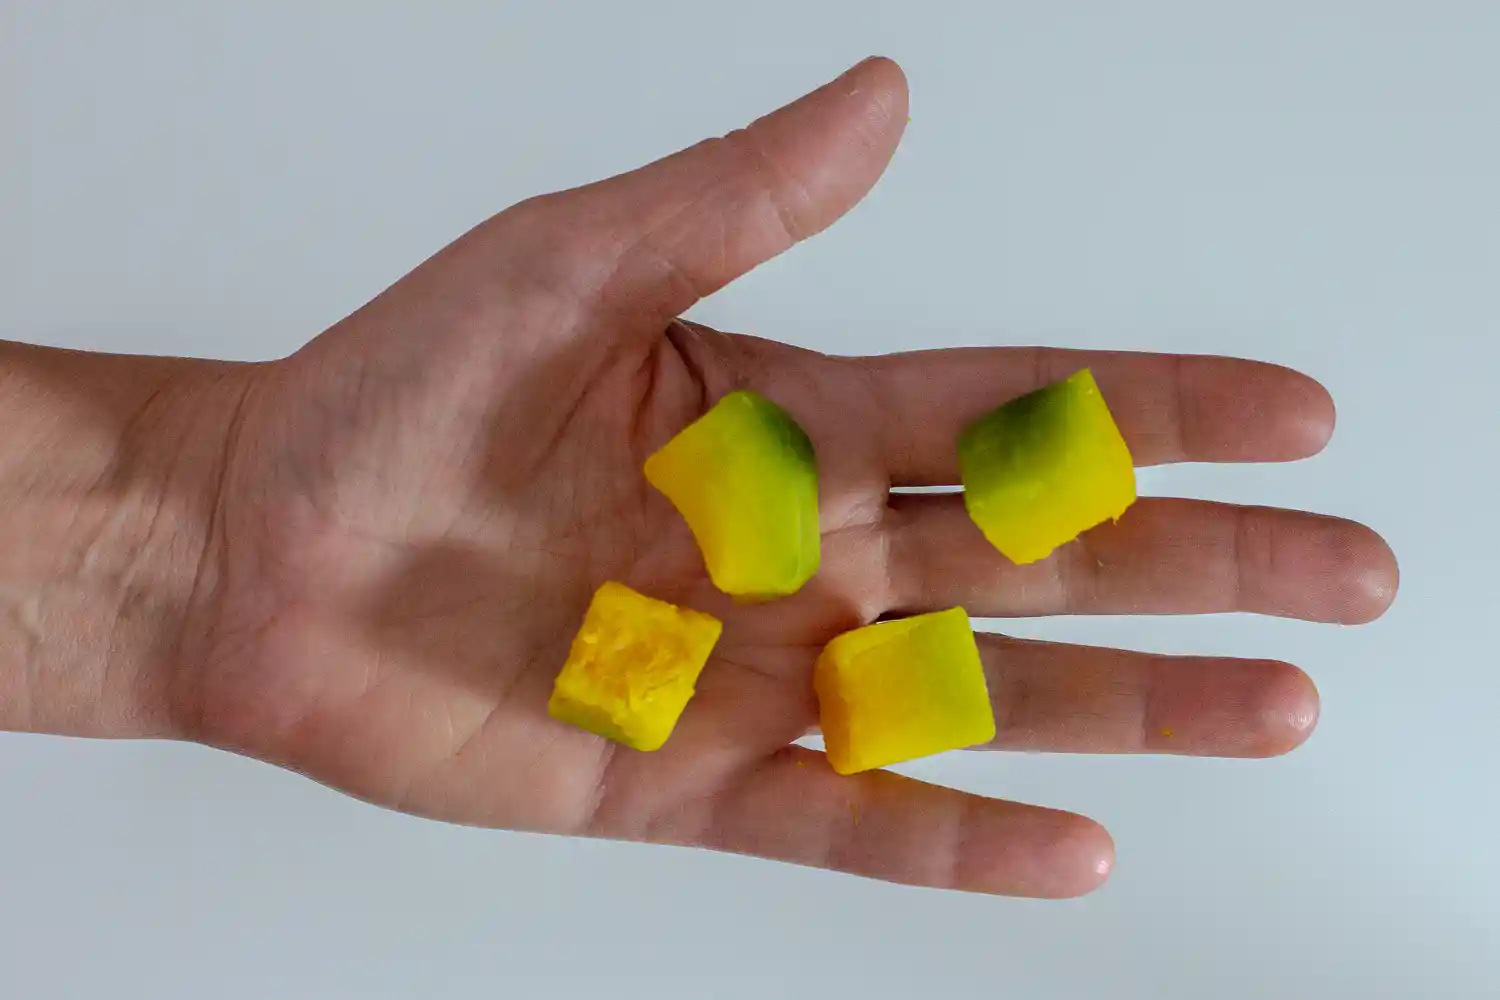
1311, 183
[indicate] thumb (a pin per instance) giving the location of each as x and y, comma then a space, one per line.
662, 237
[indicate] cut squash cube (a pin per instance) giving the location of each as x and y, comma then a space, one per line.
632, 667
745, 479
1044, 468
902, 689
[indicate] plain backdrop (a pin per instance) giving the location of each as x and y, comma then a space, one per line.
1316, 184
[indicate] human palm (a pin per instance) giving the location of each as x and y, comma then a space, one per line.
419, 505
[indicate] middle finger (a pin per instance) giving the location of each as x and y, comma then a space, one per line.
1165, 556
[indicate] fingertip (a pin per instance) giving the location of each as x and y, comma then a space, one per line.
890, 79
1288, 712
881, 84
1375, 576
1267, 412
1310, 414
1086, 858
883, 72
1068, 856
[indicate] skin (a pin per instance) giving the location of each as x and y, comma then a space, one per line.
365, 561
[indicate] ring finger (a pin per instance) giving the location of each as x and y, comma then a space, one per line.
1078, 699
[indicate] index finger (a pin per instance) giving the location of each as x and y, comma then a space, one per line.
1170, 407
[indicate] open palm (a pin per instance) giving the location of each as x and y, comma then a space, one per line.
419, 505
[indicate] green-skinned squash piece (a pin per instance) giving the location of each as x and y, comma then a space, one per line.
1044, 468
745, 478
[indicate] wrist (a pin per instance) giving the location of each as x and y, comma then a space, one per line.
111, 470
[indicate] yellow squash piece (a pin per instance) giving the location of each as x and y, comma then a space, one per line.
1044, 468
745, 479
632, 667
902, 689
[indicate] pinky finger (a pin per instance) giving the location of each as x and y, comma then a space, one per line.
885, 826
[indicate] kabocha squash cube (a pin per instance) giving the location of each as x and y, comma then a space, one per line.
1044, 468
902, 689
633, 667
745, 479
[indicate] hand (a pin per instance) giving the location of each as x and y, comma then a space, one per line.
412, 513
